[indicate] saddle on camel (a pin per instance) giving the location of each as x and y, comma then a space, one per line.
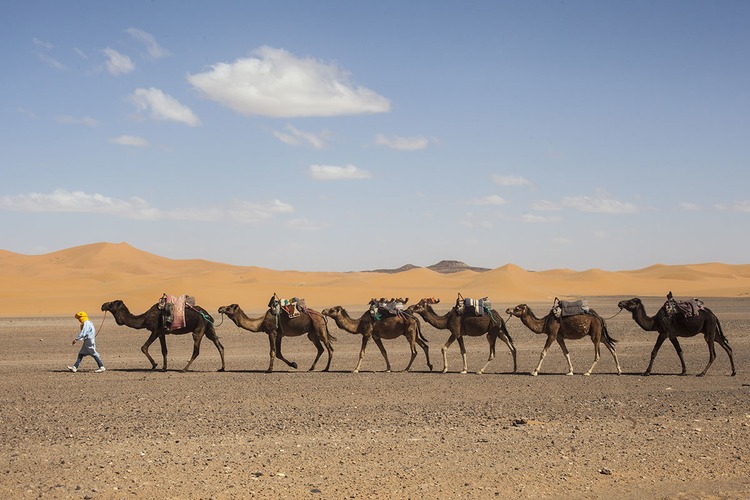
173, 310
383, 308
686, 308
474, 307
292, 307
566, 308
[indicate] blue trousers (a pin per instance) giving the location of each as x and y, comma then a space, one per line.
95, 356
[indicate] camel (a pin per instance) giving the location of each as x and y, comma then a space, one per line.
197, 321
387, 328
679, 325
461, 325
569, 327
311, 323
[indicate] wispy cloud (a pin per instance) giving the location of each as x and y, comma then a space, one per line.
736, 206
294, 137
492, 199
72, 120
129, 140
600, 203
537, 219
65, 201
689, 206
402, 143
472, 220
247, 212
163, 106
335, 173
545, 206
510, 180
274, 82
155, 51
42, 52
117, 64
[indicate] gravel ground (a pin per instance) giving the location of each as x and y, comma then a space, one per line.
132, 432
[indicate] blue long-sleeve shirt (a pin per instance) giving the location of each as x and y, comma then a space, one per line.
87, 334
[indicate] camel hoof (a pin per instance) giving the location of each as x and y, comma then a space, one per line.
646, 374
430, 367
534, 374
293, 365
220, 370
269, 370
463, 372
734, 373
587, 374
569, 374
684, 374
701, 375
445, 370
355, 371
480, 372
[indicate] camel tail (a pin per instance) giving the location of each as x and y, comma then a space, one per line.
419, 331
720, 330
605, 332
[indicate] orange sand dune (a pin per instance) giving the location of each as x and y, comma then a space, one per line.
63, 282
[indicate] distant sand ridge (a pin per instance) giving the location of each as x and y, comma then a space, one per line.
84, 277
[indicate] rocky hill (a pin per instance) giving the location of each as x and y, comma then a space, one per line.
443, 267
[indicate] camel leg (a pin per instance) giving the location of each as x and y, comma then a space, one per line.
314, 339
279, 355
149, 341
463, 353
725, 345
509, 342
365, 338
197, 338
413, 348
379, 343
329, 348
547, 343
491, 338
163, 343
271, 351
678, 348
426, 350
659, 341
711, 355
444, 350
597, 355
211, 334
566, 353
611, 348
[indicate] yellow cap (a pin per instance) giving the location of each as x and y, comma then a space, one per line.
82, 316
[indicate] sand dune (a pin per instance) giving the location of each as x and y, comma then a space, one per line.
69, 280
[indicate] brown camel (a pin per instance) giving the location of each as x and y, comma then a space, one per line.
678, 325
197, 321
311, 323
386, 328
461, 325
569, 327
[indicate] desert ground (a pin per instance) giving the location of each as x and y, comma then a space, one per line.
132, 432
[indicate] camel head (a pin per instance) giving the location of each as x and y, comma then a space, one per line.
519, 311
333, 312
421, 306
630, 305
229, 310
113, 306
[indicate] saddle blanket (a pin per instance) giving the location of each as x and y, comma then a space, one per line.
174, 312
292, 307
573, 308
690, 308
386, 308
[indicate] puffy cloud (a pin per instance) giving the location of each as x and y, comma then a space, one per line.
293, 136
163, 106
155, 51
129, 140
510, 180
402, 143
274, 82
334, 173
492, 199
599, 204
117, 64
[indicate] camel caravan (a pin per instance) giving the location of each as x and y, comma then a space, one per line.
387, 319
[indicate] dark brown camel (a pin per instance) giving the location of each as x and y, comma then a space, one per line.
677, 325
461, 325
197, 321
386, 328
313, 324
570, 327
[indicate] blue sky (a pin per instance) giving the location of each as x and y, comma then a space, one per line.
345, 135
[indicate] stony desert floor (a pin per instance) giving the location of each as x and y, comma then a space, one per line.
132, 432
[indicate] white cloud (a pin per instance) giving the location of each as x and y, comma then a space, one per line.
599, 204
42, 44
247, 212
492, 199
741, 206
155, 51
294, 137
302, 223
129, 140
402, 143
535, 218
334, 173
72, 120
42, 49
163, 106
545, 206
689, 206
117, 64
510, 180
274, 82
64, 201
472, 220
